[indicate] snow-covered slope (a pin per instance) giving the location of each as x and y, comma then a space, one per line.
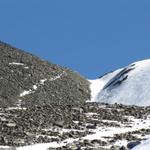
129, 85
145, 145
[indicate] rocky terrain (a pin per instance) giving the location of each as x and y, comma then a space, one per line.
26, 80
88, 126
46, 105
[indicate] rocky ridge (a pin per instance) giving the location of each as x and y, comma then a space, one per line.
26, 80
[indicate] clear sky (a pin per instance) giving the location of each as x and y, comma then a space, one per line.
89, 36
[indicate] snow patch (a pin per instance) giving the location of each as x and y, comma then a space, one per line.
24, 93
57, 77
15, 63
42, 81
45, 146
16, 108
121, 143
5, 148
35, 87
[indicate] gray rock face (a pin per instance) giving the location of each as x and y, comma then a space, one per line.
26, 80
133, 144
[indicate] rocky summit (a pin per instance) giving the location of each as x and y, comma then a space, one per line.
26, 80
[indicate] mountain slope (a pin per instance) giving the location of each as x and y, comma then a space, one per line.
145, 145
129, 85
89, 126
26, 80
44, 106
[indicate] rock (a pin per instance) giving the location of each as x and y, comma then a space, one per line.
73, 146
59, 123
133, 144
115, 148
123, 148
91, 126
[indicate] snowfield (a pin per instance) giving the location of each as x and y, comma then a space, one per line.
145, 145
129, 85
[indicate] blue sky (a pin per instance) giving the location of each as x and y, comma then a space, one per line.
89, 36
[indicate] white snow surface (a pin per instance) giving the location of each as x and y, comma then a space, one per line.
98, 84
42, 81
145, 145
134, 90
24, 93
15, 63
43, 146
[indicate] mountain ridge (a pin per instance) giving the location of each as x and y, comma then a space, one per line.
30, 80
